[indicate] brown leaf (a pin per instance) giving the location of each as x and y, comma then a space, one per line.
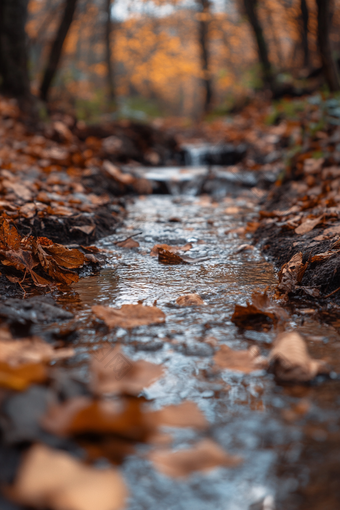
128, 243
129, 316
328, 232
70, 259
30, 350
308, 225
167, 257
87, 229
261, 314
291, 274
54, 479
190, 300
9, 236
204, 456
185, 414
117, 175
20, 377
290, 361
124, 417
173, 249
113, 372
240, 361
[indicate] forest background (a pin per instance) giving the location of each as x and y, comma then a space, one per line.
151, 58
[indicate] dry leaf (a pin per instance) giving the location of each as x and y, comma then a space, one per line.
290, 361
291, 274
204, 456
241, 361
54, 479
112, 372
190, 300
173, 249
114, 172
129, 316
329, 232
308, 225
87, 229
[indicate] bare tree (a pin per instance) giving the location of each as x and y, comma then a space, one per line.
109, 65
304, 31
203, 37
13, 53
250, 7
56, 48
329, 65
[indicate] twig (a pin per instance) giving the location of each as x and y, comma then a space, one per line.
331, 294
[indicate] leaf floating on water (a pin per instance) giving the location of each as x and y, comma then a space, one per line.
169, 258
190, 300
204, 456
291, 274
173, 249
113, 372
290, 361
241, 361
129, 316
262, 314
54, 479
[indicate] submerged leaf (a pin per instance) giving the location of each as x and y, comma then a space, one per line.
204, 456
190, 300
129, 316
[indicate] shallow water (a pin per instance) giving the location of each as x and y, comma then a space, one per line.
285, 435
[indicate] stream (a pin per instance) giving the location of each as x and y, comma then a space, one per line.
286, 435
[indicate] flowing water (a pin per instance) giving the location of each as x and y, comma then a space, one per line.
284, 434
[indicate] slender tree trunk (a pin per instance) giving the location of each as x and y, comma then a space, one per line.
304, 31
267, 71
56, 49
109, 65
329, 65
13, 52
203, 36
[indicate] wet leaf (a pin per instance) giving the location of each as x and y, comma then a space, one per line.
54, 479
128, 243
263, 313
290, 361
20, 377
190, 300
124, 417
30, 350
129, 316
204, 456
113, 372
173, 249
70, 259
9, 237
186, 414
167, 257
240, 361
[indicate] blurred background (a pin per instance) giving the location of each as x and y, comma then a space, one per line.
144, 59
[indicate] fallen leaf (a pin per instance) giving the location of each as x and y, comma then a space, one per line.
190, 300
20, 377
328, 232
308, 225
241, 361
291, 274
261, 314
113, 372
169, 258
114, 172
124, 417
87, 229
173, 249
30, 350
289, 359
204, 456
128, 243
186, 414
54, 479
129, 316
244, 247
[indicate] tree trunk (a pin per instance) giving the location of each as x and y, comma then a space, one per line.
56, 49
108, 31
304, 32
13, 52
329, 65
203, 36
267, 72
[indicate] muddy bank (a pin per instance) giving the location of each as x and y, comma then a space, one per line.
302, 216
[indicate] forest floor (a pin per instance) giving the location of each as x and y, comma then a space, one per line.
146, 340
